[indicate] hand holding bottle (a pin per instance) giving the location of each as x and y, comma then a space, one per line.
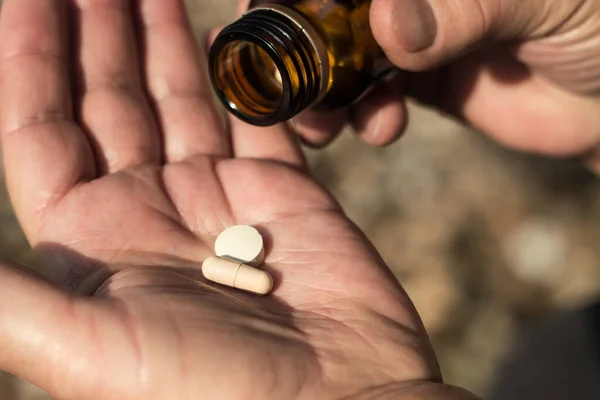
525, 72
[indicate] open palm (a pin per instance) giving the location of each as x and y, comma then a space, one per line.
122, 175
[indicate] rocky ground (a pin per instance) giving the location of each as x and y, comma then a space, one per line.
490, 244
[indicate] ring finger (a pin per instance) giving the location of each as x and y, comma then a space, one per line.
178, 83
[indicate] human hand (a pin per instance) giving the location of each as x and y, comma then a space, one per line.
523, 71
122, 175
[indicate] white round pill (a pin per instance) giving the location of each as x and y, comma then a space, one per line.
241, 243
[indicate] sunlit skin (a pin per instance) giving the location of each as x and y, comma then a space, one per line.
525, 72
122, 174
132, 177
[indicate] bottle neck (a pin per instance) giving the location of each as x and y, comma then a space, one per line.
269, 65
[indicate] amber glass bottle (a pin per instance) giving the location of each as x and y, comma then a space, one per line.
285, 56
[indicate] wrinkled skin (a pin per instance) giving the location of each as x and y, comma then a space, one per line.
122, 174
524, 72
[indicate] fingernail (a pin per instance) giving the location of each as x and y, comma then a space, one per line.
415, 24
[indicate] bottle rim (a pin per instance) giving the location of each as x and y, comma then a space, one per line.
278, 35
219, 45
311, 35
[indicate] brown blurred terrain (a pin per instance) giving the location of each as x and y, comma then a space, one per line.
490, 244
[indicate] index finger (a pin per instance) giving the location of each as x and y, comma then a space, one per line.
45, 153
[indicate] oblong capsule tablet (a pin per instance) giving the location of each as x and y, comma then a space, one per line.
237, 275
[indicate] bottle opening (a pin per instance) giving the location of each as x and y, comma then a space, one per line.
268, 66
249, 79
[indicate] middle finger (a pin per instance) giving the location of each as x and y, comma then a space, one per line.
114, 107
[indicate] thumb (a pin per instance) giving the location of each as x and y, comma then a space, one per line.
422, 34
41, 331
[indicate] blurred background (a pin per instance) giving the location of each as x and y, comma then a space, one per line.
499, 251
